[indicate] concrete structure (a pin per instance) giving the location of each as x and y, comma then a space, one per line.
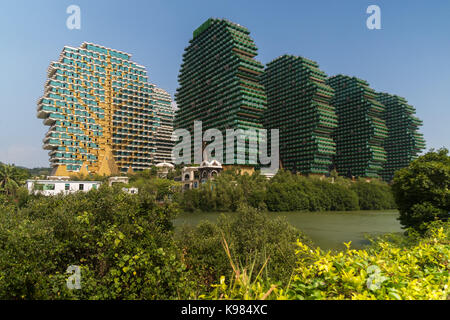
164, 126
404, 142
164, 168
54, 187
101, 112
361, 129
192, 177
113, 180
298, 104
220, 83
58, 178
209, 170
131, 190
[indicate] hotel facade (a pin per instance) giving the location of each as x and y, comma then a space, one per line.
101, 112
219, 84
298, 104
164, 127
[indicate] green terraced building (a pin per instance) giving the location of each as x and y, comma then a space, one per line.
219, 81
404, 141
100, 109
298, 104
361, 129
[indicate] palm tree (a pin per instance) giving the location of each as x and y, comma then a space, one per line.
10, 179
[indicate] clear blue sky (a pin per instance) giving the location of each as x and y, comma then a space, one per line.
409, 56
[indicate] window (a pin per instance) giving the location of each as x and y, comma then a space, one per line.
81, 186
39, 186
67, 186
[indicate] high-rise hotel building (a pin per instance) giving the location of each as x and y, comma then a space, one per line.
164, 126
101, 111
220, 83
298, 104
361, 129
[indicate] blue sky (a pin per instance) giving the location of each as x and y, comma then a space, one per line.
409, 56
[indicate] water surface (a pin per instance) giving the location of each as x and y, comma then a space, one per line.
328, 230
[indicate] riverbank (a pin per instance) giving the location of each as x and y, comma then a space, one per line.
328, 230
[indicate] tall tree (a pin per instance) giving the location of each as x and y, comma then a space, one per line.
11, 178
421, 190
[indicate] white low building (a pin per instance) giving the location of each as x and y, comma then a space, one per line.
164, 168
131, 190
54, 187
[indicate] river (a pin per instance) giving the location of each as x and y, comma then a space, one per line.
328, 230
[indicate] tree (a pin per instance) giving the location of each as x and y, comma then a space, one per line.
421, 190
11, 178
374, 195
122, 243
254, 239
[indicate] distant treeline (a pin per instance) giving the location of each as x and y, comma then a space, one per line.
287, 192
33, 172
39, 171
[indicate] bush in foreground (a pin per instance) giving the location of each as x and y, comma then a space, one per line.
247, 239
122, 243
414, 268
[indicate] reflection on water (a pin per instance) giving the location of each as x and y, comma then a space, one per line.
328, 230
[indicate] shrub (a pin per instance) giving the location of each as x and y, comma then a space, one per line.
334, 197
286, 192
122, 243
374, 195
405, 268
422, 190
252, 238
384, 271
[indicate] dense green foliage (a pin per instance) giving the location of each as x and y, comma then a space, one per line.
391, 269
122, 243
421, 190
287, 192
11, 179
375, 195
226, 193
39, 172
127, 249
250, 239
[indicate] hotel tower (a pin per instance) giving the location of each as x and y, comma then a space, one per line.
101, 112
220, 83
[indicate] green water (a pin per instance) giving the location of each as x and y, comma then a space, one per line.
328, 230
